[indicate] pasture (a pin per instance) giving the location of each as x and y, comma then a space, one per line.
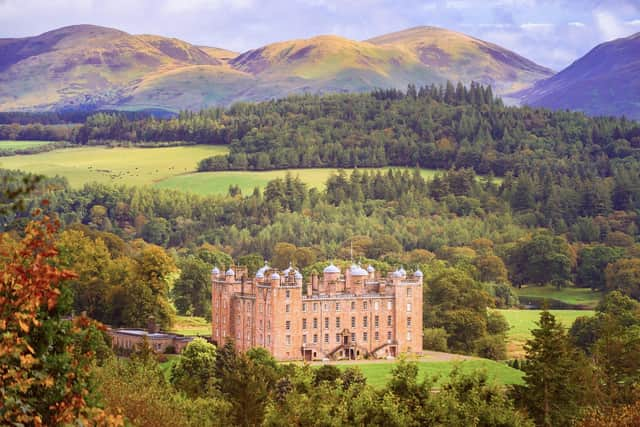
523, 321
186, 325
129, 166
582, 298
210, 183
21, 145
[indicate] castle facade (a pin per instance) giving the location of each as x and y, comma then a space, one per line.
342, 315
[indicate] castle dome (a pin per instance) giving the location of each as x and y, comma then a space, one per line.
356, 270
298, 275
275, 276
370, 269
260, 274
397, 273
418, 273
230, 272
331, 269
215, 270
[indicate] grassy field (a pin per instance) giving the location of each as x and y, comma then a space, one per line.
378, 373
19, 145
580, 297
219, 182
131, 166
523, 321
186, 325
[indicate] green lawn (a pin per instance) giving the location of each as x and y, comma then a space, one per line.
378, 374
19, 145
580, 297
130, 166
219, 182
523, 321
186, 325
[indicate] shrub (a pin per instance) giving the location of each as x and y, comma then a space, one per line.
492, 347
435, 339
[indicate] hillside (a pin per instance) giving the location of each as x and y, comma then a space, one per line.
603, 82
463, 58
87, 66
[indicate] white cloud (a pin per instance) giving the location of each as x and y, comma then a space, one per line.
576, 24
609, 25
533, 26
634, 23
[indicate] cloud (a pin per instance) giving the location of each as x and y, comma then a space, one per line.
609, 25
576, 24
533, 26
634, 23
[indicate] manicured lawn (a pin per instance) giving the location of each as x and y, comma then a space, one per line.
18, 145
219, 182
378, 373
583, 297
186, 325
523, 321
130, 166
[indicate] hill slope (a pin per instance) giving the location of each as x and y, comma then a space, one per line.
89, 66
464, 58
603, 82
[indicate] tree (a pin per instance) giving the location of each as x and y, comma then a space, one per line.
192, 290
156, 231
540, 259
624, 275
194, 371
45, 360
555, 384
592, 262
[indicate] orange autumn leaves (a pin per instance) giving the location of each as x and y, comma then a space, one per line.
30, 288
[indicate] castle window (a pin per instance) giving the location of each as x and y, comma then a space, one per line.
408, 292
287, 325
353, 321
365, 321
315, 338
315, 306
304, 307
389, 335
287, 308
365, 336
288, 339
269, 324
315, 323
337, 306
376, 305
304, 323
304, 339
268, 339
353, 337
377, 335
389, 320
337, 323
389, 305
364, 305
408, 336
337, 338
326, 323
408, 306
353, 305
326, 307
376, 321
326, 338
408, 322
287, 294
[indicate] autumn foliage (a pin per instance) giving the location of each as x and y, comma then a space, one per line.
44, 366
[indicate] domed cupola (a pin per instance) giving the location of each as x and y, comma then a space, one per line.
230, 272
356, 270
331, 269
275, 276
215, 271
397, 274
370, 269
298, 275
418, 273
287, 270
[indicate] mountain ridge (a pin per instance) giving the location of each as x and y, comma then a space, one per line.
88, 66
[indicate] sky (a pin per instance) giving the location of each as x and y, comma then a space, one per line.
552, 33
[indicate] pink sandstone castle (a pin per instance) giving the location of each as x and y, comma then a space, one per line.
346, 315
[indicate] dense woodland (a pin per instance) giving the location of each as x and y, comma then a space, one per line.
564, 212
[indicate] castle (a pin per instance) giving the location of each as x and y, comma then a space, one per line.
346, 315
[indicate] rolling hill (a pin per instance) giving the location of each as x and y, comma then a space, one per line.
603, 82
87, 66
